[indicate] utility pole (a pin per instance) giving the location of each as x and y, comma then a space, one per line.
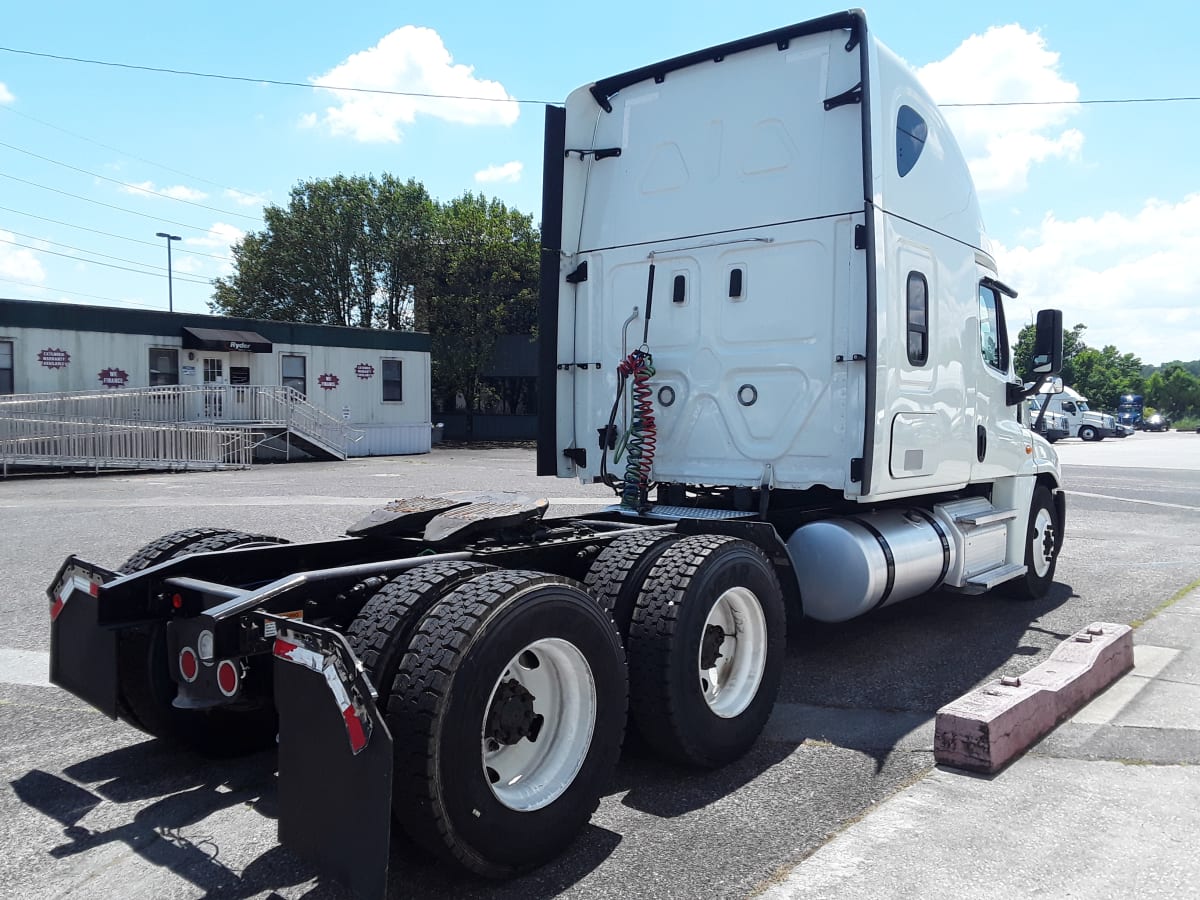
170, 288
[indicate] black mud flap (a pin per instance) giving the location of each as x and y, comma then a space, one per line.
335, 758
83, 655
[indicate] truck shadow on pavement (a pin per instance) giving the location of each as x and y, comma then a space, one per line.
862, 693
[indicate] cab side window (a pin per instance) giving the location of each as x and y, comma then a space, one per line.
993, 342
1068, 407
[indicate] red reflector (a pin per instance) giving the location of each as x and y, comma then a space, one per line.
56, 607
177, 600
227, 678
354, 729
283, 648
189, 665
94, 589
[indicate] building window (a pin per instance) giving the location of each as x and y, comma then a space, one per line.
393, 379
918, 319
993, 343
214, 370
294, 369
164, 366
6, 367
911, 132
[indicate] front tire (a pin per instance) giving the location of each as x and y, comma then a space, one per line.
1088, 433
706, 650
509, 708
1042, 543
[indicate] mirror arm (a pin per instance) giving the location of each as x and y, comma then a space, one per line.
1016, 393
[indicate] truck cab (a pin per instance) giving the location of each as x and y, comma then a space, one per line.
1082, 421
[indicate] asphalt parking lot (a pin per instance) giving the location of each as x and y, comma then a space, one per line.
90, 807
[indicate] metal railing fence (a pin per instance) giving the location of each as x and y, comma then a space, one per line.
85, 442
233, 404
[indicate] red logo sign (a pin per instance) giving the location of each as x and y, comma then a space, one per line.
114, 378
54, 359
364, 370
328, 381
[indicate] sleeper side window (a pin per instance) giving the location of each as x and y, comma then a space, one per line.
918, 319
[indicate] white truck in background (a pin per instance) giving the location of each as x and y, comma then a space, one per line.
770, 320
1082, 422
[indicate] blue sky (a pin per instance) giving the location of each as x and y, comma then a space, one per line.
1093, 208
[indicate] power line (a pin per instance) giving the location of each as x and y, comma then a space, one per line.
275, 81
125, 184
101, 203
34, 237
361, 90
1078, 102
182, 277
42, 287
134, 156
110, 234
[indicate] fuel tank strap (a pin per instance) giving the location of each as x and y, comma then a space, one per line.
941, 533
888, 558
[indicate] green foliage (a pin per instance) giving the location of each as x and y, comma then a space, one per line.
380, 253
1100, 375
1174, 391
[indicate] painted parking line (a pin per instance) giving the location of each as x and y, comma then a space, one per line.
30, 667
1132, 500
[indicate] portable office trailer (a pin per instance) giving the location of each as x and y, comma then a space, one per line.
375, 381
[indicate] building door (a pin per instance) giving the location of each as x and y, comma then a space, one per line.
213, 370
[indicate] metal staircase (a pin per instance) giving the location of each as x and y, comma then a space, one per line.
170, 427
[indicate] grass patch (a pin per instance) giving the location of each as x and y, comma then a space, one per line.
1166, 604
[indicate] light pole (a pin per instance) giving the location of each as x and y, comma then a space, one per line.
170, 291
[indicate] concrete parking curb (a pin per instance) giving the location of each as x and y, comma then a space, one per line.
987, 728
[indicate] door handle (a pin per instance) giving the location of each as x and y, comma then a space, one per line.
980, 442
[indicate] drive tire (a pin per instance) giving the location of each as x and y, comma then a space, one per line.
380, 633
616, 576
441, 706
668, 686
1043, 541
145, 687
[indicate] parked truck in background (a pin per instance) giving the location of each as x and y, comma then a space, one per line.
1131, 411
770, 321
1082, 421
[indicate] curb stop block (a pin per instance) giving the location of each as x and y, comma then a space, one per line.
987, 728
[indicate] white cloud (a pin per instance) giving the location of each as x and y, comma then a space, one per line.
1132, 280
218, 240
309, 120
1002, 143
510, 172
18, 263
6, 96
175, 192
243, 199
414, 60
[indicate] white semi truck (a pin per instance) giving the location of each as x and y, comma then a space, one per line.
770, 321
1082, 421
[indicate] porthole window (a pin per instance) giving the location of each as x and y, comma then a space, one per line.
911, 132
918, 319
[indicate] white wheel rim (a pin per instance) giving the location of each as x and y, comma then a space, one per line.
731, 683
529, 774
1042, 550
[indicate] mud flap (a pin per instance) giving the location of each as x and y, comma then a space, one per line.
335, 758
83, 654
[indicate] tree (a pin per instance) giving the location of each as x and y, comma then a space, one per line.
483, 283
1174, 391
1104, 375
379, 252
1023, 353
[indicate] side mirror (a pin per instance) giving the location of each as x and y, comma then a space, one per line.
1048, 343
1052, 385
